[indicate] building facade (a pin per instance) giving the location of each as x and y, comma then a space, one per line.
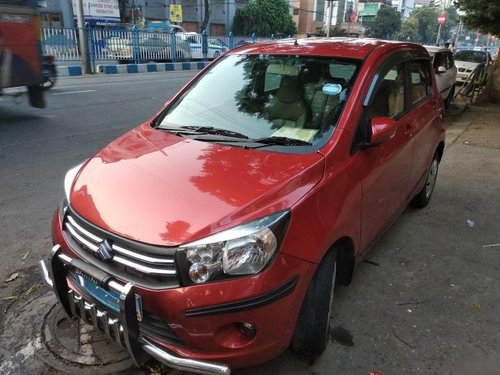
148, 14
309, 15
405, 7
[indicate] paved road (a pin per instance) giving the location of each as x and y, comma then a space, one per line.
427, 301
37, 147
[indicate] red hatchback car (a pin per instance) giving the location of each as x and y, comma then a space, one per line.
213, 236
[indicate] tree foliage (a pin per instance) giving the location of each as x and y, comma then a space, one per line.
452, 21
421, 26
264, 18
481, 14
386, 24
485, 15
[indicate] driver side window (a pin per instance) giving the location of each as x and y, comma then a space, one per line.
388, 100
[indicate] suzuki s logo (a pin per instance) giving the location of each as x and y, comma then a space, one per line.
105, 251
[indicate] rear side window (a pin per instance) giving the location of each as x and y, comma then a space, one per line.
420, 81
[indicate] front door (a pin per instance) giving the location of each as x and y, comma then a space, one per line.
385, 169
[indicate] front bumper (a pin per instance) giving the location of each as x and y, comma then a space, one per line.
124, 328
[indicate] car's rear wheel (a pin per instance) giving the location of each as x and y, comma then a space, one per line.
312, 329
424, 196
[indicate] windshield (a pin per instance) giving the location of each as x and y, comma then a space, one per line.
266, 97
471, 56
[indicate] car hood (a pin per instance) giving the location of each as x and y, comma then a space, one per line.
466, 64
159, 188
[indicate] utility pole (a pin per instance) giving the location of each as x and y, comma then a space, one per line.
439, 35
82, 30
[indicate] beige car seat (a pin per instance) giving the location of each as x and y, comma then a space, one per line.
287, 107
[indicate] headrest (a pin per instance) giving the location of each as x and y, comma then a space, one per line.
289, 90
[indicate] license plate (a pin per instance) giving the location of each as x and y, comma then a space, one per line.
109, 299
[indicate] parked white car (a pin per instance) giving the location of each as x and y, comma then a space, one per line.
467, 61
215, 46
445, 71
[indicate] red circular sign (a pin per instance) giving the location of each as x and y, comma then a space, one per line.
441, 18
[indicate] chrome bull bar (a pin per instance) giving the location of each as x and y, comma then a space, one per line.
124, 328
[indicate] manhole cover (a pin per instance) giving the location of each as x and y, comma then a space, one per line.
38, 336
75, 343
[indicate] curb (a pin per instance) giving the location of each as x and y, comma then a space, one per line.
149, 68
64, 71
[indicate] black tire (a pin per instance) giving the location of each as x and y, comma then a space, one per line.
449, 98
424, 196
313, 325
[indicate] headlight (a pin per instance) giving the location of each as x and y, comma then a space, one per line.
70, 178
243, 250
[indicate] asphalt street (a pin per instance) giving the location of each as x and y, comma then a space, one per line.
37, 147
426, 300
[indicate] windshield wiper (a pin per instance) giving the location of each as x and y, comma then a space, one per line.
201, 130
216, 131
280, 141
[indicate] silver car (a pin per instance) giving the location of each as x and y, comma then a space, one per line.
445, 71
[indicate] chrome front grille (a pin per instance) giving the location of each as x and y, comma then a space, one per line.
151, 264
90, 313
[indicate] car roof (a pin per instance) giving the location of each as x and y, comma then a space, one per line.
434, 49
356, 48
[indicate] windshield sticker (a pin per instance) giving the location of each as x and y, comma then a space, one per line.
331, 89
295, 133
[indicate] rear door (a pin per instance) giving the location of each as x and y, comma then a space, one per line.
425, 112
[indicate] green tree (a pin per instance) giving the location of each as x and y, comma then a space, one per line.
450, 25
421, 26
409, 30
485, 15
264, 18
387, 23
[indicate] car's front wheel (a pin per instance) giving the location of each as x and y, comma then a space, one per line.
313, 325
424, 196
